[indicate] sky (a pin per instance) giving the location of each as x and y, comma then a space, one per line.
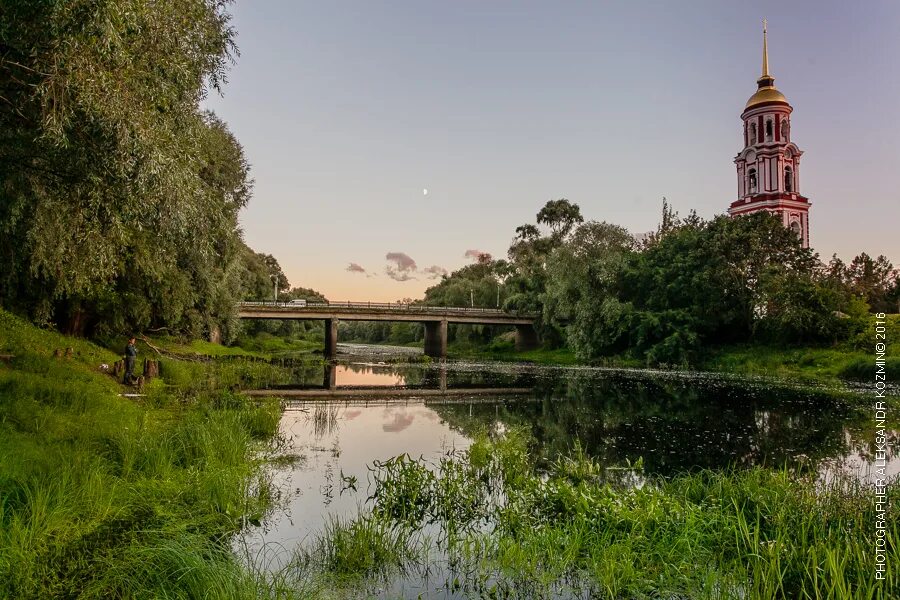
349, 110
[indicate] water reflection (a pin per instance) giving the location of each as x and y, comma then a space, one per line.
674, 425
671, 423
379, 379
363, 374
333, 444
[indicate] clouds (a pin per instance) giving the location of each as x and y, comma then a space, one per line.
402, 267
403, 261
400, 421
358, 269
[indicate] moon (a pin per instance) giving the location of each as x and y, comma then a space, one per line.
425, 192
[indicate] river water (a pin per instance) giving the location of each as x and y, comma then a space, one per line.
337, 421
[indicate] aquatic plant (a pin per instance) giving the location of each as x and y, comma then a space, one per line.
755, 533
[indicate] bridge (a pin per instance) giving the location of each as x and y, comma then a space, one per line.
435, 319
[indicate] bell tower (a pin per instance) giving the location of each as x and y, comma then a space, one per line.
768, 167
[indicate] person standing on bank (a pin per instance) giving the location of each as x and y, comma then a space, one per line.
130, 358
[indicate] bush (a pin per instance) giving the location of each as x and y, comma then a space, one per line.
797, 309
863, 369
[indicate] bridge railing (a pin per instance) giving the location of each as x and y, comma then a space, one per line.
394, 306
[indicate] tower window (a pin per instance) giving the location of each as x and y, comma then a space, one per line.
769, 130
751, 180
797, 228
788, 179
752, 134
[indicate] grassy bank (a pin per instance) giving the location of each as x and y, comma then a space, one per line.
843, 363
262, 345
852, 360
505, 351
109, 497
103, 496
506, 532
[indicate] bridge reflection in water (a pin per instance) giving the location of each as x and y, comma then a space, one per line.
362, 381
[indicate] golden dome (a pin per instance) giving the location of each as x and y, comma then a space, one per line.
766, 92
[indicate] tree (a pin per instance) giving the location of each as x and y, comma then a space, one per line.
798, 308
119, 201
694, 283
582, 274
526, 282
476, 284
261, 274
892, 298
560, 216
872, 280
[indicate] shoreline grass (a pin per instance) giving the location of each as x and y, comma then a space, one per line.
511, 533
103, 496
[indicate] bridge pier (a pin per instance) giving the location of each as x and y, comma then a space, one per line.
331, 336
436, 338
526, 338
329, 381
435, 378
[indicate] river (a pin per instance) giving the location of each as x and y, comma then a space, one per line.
339, 420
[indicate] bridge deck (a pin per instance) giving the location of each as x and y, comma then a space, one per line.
381, 311
387, 394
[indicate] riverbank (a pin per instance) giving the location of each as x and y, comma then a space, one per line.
263, 346
849, 362
105, 496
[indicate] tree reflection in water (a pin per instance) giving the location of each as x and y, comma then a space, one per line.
673, 424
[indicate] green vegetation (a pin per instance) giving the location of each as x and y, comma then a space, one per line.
120, 196
261, 345
103, 496
508, 532
809, 364
694, 294
693, 284
504, 350
119, 212
853, 359
847, 361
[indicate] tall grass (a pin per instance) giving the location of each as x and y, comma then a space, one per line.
744, 534
105, 497
240, 373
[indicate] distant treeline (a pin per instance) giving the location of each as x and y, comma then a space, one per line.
691, 284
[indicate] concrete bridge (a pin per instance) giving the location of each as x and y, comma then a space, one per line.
435, 319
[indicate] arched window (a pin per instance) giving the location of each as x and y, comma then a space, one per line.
752, 134
788, 179
797, 228
751, 181
769, 130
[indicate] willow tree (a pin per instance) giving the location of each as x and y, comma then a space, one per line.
118, 194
